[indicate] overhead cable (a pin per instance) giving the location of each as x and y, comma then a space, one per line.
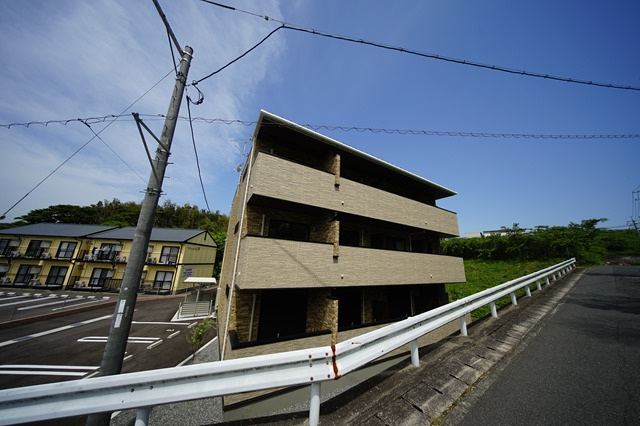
423, 54
195, 150
331, 128
115, 117
195, 82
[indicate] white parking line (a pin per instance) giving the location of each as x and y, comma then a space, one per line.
17, 303
46, 370
54, 330
132, 339
41, 305
160, 323
76, 304
172, 335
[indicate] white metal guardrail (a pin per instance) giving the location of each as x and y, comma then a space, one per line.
143, 390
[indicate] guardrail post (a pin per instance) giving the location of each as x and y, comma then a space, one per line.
538, 285
463, 325
528, 291
142, 416
494, 311
415, 356
314, 404
514, 301
553, 276
547, 280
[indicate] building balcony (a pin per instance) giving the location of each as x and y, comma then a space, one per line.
101, 256
281, 179
273, 263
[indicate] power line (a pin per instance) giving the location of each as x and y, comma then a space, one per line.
420, 54
195, 150
83, 145
332, 128
195, 82
114, 152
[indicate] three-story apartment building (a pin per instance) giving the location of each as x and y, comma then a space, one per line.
94, 257
323, 236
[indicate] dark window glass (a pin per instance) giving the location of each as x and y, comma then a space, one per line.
37, 248
163, 280
282, 313
66, 249
26, 273
288, 230
99, 277
169, 255
349, 238
56, 275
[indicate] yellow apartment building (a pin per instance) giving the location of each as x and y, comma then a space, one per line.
93, 257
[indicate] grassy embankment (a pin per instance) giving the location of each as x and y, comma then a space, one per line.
482, 274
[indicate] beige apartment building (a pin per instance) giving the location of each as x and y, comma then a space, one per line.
323, 236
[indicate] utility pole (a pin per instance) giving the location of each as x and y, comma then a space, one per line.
121, 323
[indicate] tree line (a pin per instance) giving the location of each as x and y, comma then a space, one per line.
588, 244
118, 213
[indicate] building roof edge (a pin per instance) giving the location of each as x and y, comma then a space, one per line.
311, 133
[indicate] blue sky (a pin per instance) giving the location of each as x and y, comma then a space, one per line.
79, 59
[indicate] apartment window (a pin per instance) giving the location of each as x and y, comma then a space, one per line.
7, 246
108, 251
288, 230
56, 275
38, 248
66, 249
26, 273
99, 276
398, 244
163, 280
3, 270
169, 255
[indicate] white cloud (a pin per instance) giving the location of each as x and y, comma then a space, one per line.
77, 59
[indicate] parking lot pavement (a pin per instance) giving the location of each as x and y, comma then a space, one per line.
19, 304
51, 347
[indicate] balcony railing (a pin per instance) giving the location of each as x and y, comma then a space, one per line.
101, 256
94, 284
273, 263
284, 180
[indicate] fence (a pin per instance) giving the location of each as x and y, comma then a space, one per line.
143, 390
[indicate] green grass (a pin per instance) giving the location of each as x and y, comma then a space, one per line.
483, 274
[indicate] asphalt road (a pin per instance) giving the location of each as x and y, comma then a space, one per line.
582, 367
70, 346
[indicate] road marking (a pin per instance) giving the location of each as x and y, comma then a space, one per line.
55, 330
153, 345
46, 370
160, 323
77, 304
131, 339
15, 303
41, 305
